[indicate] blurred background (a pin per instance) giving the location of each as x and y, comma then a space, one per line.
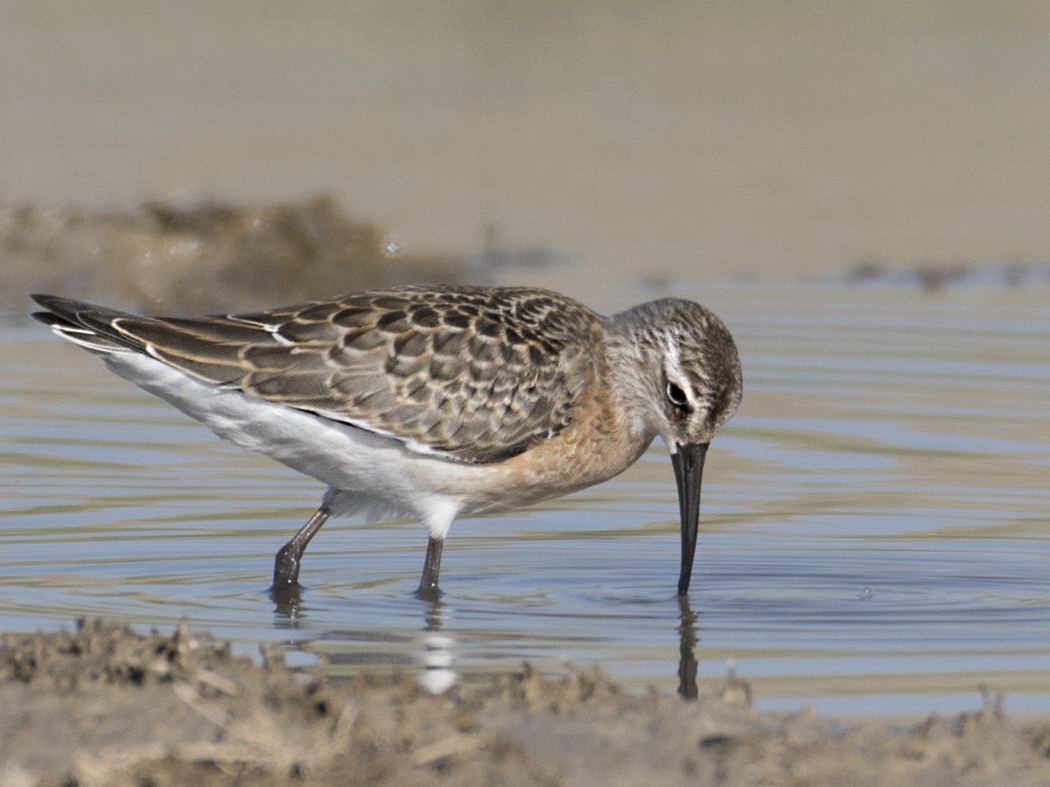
533, 142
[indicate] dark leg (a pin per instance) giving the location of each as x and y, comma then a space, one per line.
428, 584
286, 564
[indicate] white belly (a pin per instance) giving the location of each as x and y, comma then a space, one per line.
366, 472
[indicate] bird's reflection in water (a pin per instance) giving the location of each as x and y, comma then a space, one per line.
288, 605
687, 650
438, 675
435, 646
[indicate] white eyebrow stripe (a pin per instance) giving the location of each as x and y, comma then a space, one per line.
673, 355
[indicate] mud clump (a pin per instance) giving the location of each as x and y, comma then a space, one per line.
102, 705
204, 256
105, 706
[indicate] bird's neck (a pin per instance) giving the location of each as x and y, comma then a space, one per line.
636, 377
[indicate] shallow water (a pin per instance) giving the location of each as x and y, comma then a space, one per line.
875, 525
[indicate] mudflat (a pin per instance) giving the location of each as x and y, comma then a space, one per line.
100, 704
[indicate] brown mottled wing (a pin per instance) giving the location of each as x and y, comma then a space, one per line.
473, 373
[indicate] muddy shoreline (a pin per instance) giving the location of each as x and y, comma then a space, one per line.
205, 255
98, 704
209, 256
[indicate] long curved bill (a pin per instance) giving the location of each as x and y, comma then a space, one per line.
688, 461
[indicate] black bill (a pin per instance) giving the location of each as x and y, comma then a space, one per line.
688, 461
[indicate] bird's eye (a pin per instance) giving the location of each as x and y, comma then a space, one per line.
676, 396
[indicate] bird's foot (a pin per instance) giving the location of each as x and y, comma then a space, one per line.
427, 592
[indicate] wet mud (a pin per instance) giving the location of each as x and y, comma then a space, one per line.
205, 255
99, 704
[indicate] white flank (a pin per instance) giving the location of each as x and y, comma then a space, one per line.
366, 472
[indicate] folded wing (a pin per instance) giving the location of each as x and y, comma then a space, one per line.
473, 374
